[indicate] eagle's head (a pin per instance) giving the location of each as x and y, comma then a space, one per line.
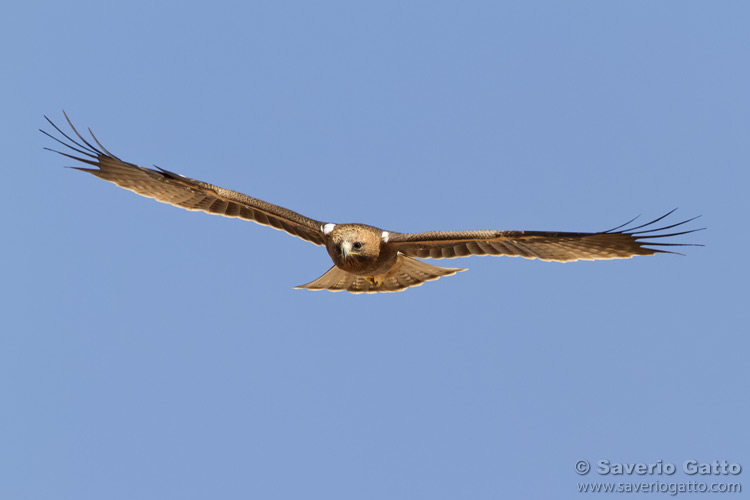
354, 247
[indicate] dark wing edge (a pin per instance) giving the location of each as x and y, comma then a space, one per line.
621, 242
174, 189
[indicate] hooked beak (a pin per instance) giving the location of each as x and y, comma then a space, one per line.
346, 249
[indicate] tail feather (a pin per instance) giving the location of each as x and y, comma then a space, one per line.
406, 273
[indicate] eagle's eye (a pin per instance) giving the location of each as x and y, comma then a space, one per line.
357, 245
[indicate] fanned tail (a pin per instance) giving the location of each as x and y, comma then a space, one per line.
406, 273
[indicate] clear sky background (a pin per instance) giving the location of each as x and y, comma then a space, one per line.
153, 353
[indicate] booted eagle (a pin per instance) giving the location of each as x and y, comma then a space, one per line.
366, 259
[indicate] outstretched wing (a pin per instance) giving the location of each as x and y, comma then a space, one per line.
174, 189
616, 243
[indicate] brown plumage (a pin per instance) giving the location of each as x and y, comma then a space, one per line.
367, 259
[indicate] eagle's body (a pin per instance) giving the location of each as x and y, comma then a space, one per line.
367, 259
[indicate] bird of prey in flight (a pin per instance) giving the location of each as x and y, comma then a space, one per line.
367, 259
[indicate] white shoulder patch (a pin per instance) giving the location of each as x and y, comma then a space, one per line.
328, 228
385, 236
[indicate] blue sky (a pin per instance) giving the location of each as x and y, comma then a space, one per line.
149, 352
